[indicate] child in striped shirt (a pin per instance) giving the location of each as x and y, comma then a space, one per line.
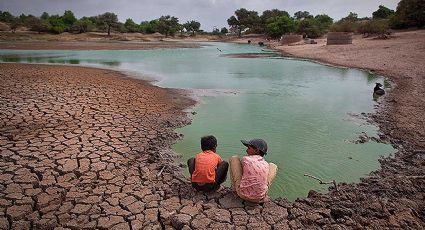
252, 177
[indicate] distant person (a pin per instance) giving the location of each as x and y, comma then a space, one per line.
252, 176
208, 171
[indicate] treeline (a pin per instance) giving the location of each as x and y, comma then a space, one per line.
273, 23
167, 25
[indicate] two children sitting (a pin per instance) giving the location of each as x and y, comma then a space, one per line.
251, 177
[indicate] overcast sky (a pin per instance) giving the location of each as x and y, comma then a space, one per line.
209, 13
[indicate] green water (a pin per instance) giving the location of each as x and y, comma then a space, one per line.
302, 109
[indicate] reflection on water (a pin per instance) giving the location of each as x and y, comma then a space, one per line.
302, 109
55, 60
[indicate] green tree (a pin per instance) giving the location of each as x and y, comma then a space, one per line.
383, 13
410, 13
302, 15
149, 27
310, 27
131, 26
6, 16
83, 25
224, 30
280, 26
192, 26
243, 20
107, 20
56, 24
269, 16
45, 16
68, 19
168, 25
324, 21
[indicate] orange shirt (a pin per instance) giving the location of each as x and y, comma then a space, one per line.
205, 165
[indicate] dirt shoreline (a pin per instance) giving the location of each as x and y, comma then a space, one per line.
52, 139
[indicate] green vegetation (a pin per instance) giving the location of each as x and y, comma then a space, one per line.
106, 22
273, 23
382, 13
192, 26
410, 13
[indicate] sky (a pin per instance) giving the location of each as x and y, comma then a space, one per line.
210, 13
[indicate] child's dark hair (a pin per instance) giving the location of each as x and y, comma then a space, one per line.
208, 143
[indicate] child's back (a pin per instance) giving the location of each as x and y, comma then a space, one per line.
208, 171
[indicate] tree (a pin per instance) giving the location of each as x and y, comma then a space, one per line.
274, 13
302, 15
270, 16
45, 16
83, 25
108, 20
383, 13
192, 26
224, 30
310, 27
279, 26
149, 27
410, 13
324, 22
56, 24
40, 25
6, 16
68, 19
131, 26
244, 20
168, 25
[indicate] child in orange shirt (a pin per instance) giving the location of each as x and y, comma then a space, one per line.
208, 171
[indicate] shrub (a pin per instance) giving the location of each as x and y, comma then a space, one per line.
374, 27
344, 26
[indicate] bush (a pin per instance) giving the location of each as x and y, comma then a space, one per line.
344, 26
374, 27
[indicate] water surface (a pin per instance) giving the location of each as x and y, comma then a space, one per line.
302, 109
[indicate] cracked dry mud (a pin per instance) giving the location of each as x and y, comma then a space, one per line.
86, 148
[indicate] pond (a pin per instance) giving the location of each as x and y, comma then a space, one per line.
305, 111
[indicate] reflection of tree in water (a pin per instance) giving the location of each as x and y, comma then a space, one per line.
111, 63
74, 61
371, 78
11, 58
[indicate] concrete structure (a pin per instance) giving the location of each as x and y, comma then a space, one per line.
339, 38
288, 39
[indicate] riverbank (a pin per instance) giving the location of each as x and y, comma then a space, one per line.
89, 148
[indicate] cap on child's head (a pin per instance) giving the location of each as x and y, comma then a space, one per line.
259, 144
